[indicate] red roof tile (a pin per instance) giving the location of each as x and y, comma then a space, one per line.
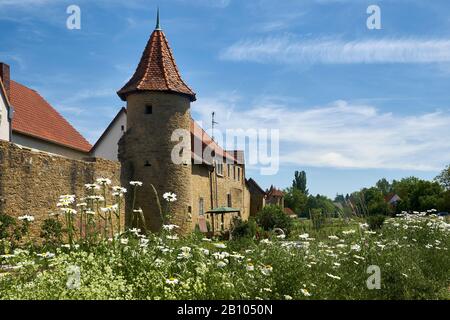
33, 116
157, 70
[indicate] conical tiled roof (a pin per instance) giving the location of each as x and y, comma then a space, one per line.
157, 70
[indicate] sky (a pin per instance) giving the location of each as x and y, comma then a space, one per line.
351, 105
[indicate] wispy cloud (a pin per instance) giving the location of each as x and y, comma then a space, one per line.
291, 50
340, 134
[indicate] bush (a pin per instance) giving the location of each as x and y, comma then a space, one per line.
272, 217
243, 229
318, 219
52, 232
375, 222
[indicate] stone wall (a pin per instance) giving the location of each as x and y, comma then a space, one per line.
214, 191
31, 182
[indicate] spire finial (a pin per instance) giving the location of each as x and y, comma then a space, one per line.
158, 26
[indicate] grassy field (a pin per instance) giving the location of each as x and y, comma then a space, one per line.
335, 262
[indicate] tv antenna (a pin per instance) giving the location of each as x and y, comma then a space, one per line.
213, 122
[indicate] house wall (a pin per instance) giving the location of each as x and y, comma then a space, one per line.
31, 182
108, 148
33, 143
4, 121
204, 184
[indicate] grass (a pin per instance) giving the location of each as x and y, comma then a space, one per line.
331, 263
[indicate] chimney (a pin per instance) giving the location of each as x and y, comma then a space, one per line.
5, 76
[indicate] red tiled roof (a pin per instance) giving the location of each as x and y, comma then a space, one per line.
289, 212
274, 192
157, 70
33, 116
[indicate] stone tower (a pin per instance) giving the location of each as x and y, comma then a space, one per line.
158, 103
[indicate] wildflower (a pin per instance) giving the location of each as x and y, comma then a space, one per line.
83, 204
174, 237
172, 281
47, 255
90, 212
221, 264
266, 241
170, 227
363, 225
136, 183
92, 186
266, 270
220, 245
27, 218
205, 251
305, 292
135, 231
124, 241
333, 276
336, 264
304, 236
250, 267
170, 197
103, 181
281, 236
206, 240
143, 242
356, 247
347, 232
333, 237
119, 190
184, 255
138, 210
287, 297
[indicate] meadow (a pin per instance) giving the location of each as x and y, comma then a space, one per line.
409, 253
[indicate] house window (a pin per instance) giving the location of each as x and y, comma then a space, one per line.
122, 128
219, 168
234, 172
201, 207
239, 174
229, 202
229, 170
149, 109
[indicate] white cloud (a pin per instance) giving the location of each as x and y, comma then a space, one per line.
341, 134
292, 50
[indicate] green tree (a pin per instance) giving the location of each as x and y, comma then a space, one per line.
384, 186
295, 200
300, 182
444, 178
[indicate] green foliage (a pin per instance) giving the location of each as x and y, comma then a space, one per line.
295, 200
444, 178
411, 252
272, 217
243, 229
375, 222
384, 186
318, 219
52, 232
299, 182
321, 202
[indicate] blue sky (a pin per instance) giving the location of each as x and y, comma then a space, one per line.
352, 105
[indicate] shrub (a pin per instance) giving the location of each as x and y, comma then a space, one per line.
243, 229
318, 219
375, 222
52, 232
272, 217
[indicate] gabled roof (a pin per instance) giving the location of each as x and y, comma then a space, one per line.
157, 70
3, 92
274, 192
255, 185
35, 117
108, 129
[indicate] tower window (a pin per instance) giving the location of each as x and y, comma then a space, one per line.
229, 202
122, 128
201, 207
149, 109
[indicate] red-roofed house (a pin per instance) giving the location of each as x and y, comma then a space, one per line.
35, 124
275, 197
